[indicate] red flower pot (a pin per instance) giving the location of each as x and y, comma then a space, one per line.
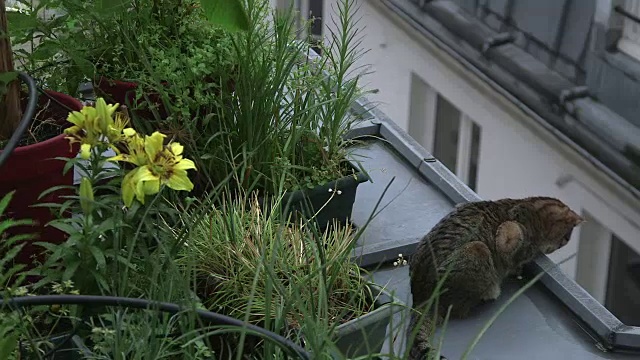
32, 169
124, 93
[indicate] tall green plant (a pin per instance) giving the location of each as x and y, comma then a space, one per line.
10, 111
99, 239
282, 124
10, 276
341, 88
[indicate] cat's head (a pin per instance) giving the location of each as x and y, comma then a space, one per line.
557, 223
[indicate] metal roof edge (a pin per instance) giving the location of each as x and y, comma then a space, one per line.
601, 321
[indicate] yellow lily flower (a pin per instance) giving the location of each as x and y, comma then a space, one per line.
105, 114
166, 162
157, 165
84, 130
115, 129
135, 153
92, 123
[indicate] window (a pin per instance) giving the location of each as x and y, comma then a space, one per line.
623, 285
592, 261
310, 10
16, 6
451, 136
609, 270
630, 41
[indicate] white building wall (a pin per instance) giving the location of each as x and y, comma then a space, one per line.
517, 157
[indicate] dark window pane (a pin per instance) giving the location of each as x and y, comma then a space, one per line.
623, 285
315, 13
475, 154
445, 146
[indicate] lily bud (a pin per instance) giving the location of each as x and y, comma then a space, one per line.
86, 196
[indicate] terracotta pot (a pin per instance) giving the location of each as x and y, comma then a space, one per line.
32, 169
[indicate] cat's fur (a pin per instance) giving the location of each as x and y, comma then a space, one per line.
481, 243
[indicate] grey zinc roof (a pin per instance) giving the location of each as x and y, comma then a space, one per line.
554, 319
556, 32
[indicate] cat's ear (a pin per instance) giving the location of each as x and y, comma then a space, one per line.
509, 236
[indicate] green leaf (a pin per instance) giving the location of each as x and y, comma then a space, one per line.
100, 280
64, 227
107, 224
48, 246
7, 198
106, 6
54, 189
70, 271
7, 77
8, 224
228, 14
8, 344
79, 60
19, 22
99, 256
45, 51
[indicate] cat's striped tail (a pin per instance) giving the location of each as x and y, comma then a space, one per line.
421, 348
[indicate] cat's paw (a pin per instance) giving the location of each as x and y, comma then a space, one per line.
492, 293
518, 271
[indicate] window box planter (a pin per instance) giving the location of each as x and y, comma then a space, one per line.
330, 202
367, 334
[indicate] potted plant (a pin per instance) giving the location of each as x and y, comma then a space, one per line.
115, 44
283, 126
277, 124
287, 277
29, 160
124, 238
127, 186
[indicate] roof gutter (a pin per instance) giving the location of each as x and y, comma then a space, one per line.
547, 97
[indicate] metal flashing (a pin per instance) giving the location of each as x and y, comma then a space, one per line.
600, 321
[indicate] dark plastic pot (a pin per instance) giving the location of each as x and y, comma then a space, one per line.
65, 346
332, 201
367, 334
32, 169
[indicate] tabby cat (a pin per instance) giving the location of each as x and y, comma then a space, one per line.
480, 244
